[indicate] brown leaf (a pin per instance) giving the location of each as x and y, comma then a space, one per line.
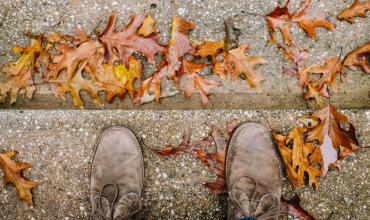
297, 56
357, 9
280, 18
214, 160
196, 81
359, 57
147, 28
69, 57
296, 158
232, 35
13, 174
318, 88
293, 208
334, 142
238, 62
210, 48
128, 41
75, 85
179, 45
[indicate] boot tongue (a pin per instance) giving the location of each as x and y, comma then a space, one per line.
128, 205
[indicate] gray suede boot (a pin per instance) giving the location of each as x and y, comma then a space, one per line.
116, 175
253, 174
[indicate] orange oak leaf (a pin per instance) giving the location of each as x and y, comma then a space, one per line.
69, 57
296, 158
280, 18
336, 137
214, 160
197, 81
359, 57
210, 49
107, 79
357, 9
319, 87
127, 41
179, 45
12, 171
75, 85
238, 62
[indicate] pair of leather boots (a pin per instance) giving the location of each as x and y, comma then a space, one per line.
253, 175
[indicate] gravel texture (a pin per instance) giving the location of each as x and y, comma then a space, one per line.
59, 144
35, 16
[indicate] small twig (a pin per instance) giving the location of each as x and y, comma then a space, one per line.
263, 116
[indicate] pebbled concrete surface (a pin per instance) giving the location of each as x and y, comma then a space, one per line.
60, 146
19, 16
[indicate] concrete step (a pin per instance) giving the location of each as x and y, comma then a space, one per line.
60, 143
279, 91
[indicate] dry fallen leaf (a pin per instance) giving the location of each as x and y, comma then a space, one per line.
69, 57
13, 174
75, 85
214, 160
211, 49
293, 208
357, 9
196, 81
179, 45
20, 72
147, 28
296, 158
237, 62
359, 57
280, 18
127, 40
336, 137
319, 87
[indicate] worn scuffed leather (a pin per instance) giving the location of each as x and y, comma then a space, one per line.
117, 164
253, 167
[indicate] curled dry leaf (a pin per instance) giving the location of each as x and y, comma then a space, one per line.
196, 81
127, 41
210, 49
214, 160
359, 57
179, 45
232, 35
129, 75
318, 88
280, 18
12, 171
20, 72
238, 62
357, 9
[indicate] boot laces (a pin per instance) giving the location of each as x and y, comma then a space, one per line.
136, 203
274, 211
